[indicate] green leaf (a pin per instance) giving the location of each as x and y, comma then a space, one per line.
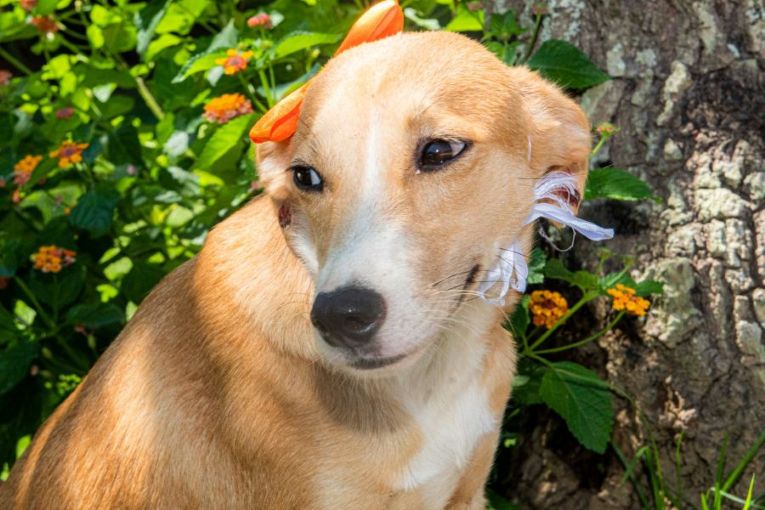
586, 280
59, 289
96, 315
140, 280
616, 184
556, 270
197, 64
466, 20
583, 400
14, 364
426, 23
147, 21
8, 327
297, 41
648, 287
527, 394
537, 262
94, 211
223, 140
564, 64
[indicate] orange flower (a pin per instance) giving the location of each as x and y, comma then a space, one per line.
28, 5
547, 307
234, 61
22, 171
45, 24
259, 20
280, 122
51, 259
5, 77
226, 107
626, 300
69, 153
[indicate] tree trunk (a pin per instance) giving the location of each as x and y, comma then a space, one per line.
688, 92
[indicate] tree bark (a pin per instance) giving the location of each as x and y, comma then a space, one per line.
688, 92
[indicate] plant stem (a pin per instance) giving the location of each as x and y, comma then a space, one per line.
16, 63
147, 96
534, 38
266, 87
587, 340
44, 316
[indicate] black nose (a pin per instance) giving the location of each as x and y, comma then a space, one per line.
349, 316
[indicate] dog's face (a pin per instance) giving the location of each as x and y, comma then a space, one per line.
412, 167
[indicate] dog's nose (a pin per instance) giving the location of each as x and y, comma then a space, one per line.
349, 316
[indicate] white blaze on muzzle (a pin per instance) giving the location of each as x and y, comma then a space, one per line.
511, 270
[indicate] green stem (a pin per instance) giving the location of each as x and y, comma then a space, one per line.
266, 87
44, 316
589, 296
598, 146
147, 96
251, 93
16, 63
587, 340
534, 38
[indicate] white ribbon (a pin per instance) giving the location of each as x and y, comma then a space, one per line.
511, 269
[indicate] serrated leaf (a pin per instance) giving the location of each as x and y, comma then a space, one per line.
8, 327
564, 64
147, 20
140, 280
59, 289
94, 211
617, 184
556, 270
648, 287
223, 140
197, 64
14, 363
527, 394
298, 41
583, 400
96, 315
519, 321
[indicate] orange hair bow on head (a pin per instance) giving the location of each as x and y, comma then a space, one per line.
280, 122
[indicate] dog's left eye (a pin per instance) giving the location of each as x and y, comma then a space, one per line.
307, 178
436, 153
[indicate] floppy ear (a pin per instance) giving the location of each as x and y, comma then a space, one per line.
272, 160
559, 138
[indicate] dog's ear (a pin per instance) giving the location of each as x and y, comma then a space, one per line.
273, 160
559, 134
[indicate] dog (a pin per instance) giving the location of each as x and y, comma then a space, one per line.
328, 347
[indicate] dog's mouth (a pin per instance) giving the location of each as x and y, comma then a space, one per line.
373, 363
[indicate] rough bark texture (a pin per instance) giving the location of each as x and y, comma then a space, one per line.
688, 91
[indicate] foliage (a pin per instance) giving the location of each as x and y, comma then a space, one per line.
123, 140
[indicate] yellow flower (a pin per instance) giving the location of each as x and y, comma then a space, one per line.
234, 61
22, 170
547, 307
626, 300
69, 153
224, 108
51, 259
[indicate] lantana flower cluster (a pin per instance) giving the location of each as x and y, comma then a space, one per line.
626, 300
69, 153
51, 258
234, 61
547, 307
226, 107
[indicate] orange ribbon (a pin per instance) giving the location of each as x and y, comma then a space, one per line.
280, 122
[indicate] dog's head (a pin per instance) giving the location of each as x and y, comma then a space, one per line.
412, 167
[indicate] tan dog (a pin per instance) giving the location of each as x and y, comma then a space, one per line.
413, 164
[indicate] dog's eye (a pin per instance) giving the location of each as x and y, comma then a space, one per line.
436, 153
307, 178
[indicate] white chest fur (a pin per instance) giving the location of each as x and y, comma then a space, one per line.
452, 418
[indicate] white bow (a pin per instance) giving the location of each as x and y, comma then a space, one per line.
511, 269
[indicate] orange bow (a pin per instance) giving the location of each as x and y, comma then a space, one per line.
280, 122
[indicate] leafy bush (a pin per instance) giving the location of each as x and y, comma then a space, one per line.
123, 140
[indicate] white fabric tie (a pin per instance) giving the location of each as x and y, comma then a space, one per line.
511, 270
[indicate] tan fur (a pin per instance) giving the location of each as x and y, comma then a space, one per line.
218, 395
